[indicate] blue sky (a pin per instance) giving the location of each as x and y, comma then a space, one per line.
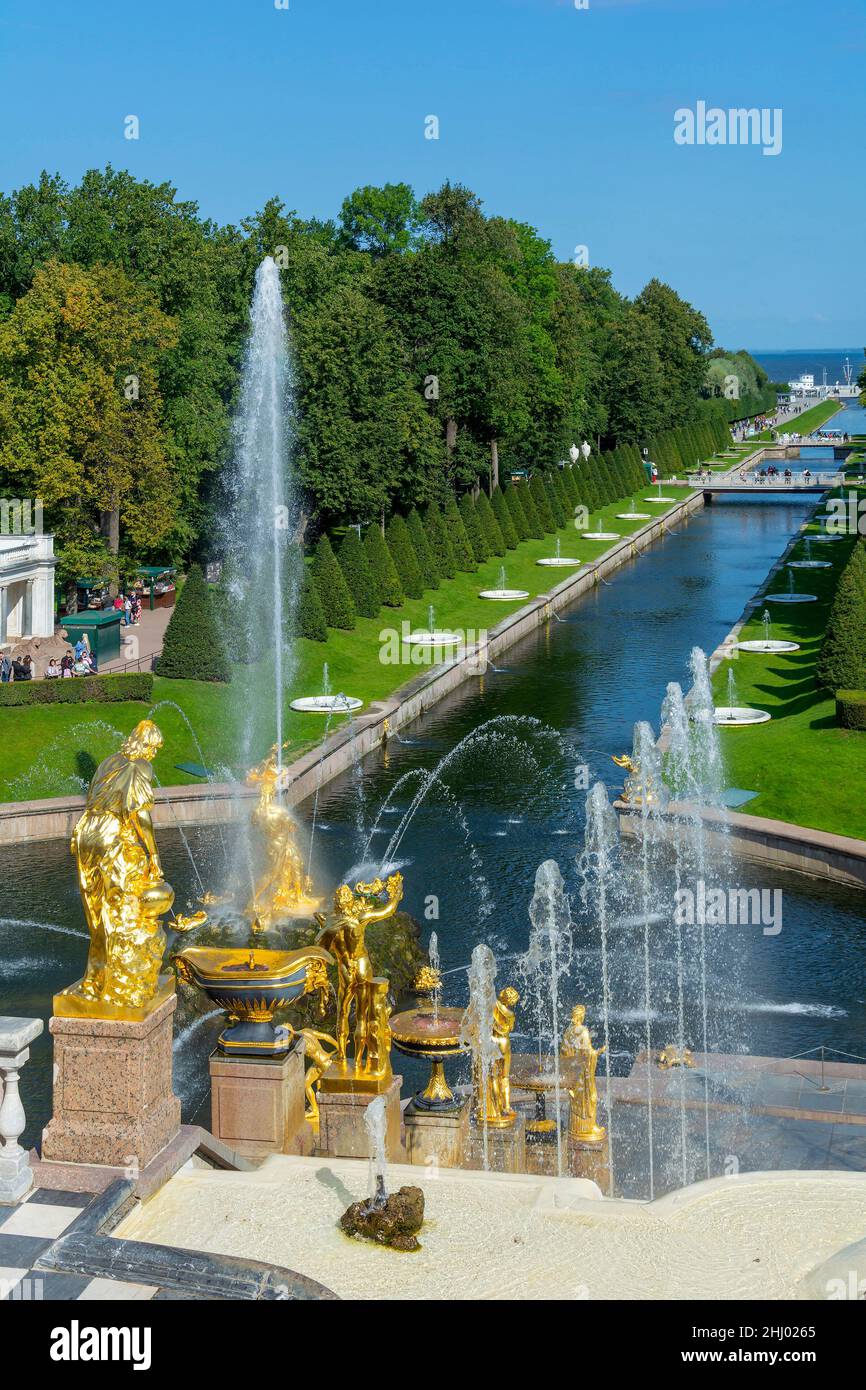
560, 117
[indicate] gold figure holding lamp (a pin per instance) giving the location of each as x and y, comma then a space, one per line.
577, 1043
123, 892
284, 889
358, 989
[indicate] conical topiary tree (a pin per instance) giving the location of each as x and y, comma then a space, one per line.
430, 576
358, 575
542, 505
517, 512
490, 526
336, 600
554, 501
309, 618
842, 662
382, 567
440, 541
533, 520
405, 559
463, 553
474, 529
502, 512
193, 648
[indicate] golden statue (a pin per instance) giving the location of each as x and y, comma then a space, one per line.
633, 789
358, 988
319, 1059
428, 980
577, 1043
492, 1103
122, 888
675, 1056
284, 890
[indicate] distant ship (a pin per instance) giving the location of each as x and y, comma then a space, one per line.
806, 386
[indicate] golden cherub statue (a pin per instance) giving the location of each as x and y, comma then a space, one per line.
633, 789
285, 889
358, 988
577, 1044
674, 1056
492, 1104
122, 888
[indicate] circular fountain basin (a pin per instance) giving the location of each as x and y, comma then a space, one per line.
326, 704
504, 595
660, 499
564, 560
809, 565
758, 645
601, 535
819, 540
790, 598
738, 716
635, 516
434, 639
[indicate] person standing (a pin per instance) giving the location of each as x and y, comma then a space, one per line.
5, 669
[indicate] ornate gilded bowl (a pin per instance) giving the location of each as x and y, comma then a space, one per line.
433, 1035
251, 984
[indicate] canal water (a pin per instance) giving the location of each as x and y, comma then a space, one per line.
470, 852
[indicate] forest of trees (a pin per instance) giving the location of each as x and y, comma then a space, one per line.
435, 349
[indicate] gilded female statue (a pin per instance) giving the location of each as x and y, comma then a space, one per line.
345, 938
120, 876
577, 1043
284, 888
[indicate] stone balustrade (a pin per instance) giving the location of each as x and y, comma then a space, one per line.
16, 1178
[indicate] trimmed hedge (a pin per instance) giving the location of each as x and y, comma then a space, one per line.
542, 503
310, 615
405, 559
489, 525
126, 685
460, 542
193, 648
440, 542
523, 493
502, 512
358, 575
517, 513
474, 530
382, 567
337, 602
430, 575
842, 662
851, 709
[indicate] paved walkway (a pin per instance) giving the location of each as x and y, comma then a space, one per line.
141, 643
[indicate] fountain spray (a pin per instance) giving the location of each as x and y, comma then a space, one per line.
547, 960
476, 1029
597, 867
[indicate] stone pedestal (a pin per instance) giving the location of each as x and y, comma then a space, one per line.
506, 1148
341, 1122
16, 1176
590, 1160
113, 1101
436, 1139
257, 1103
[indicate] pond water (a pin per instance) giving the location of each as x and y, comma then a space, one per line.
470, 852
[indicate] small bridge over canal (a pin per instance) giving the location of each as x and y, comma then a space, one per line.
754, 485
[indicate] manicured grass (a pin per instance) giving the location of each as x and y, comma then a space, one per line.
47, 750
811, 419
806, 770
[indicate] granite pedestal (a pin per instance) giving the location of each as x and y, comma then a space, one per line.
436, 1138
590, 1160
506, 1148
113, 1098
341, 1122
257, 1103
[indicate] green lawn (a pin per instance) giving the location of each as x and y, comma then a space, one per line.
811, 419
47, 750
806, 770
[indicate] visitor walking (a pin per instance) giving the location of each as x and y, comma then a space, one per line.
5, 669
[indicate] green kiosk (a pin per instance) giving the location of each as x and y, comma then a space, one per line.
100, 627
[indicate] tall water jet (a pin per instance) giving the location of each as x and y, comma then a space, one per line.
597, 866
547, 961
476, 1030
651, 797
261, 516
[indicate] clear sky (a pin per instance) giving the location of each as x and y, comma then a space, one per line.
559, 116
